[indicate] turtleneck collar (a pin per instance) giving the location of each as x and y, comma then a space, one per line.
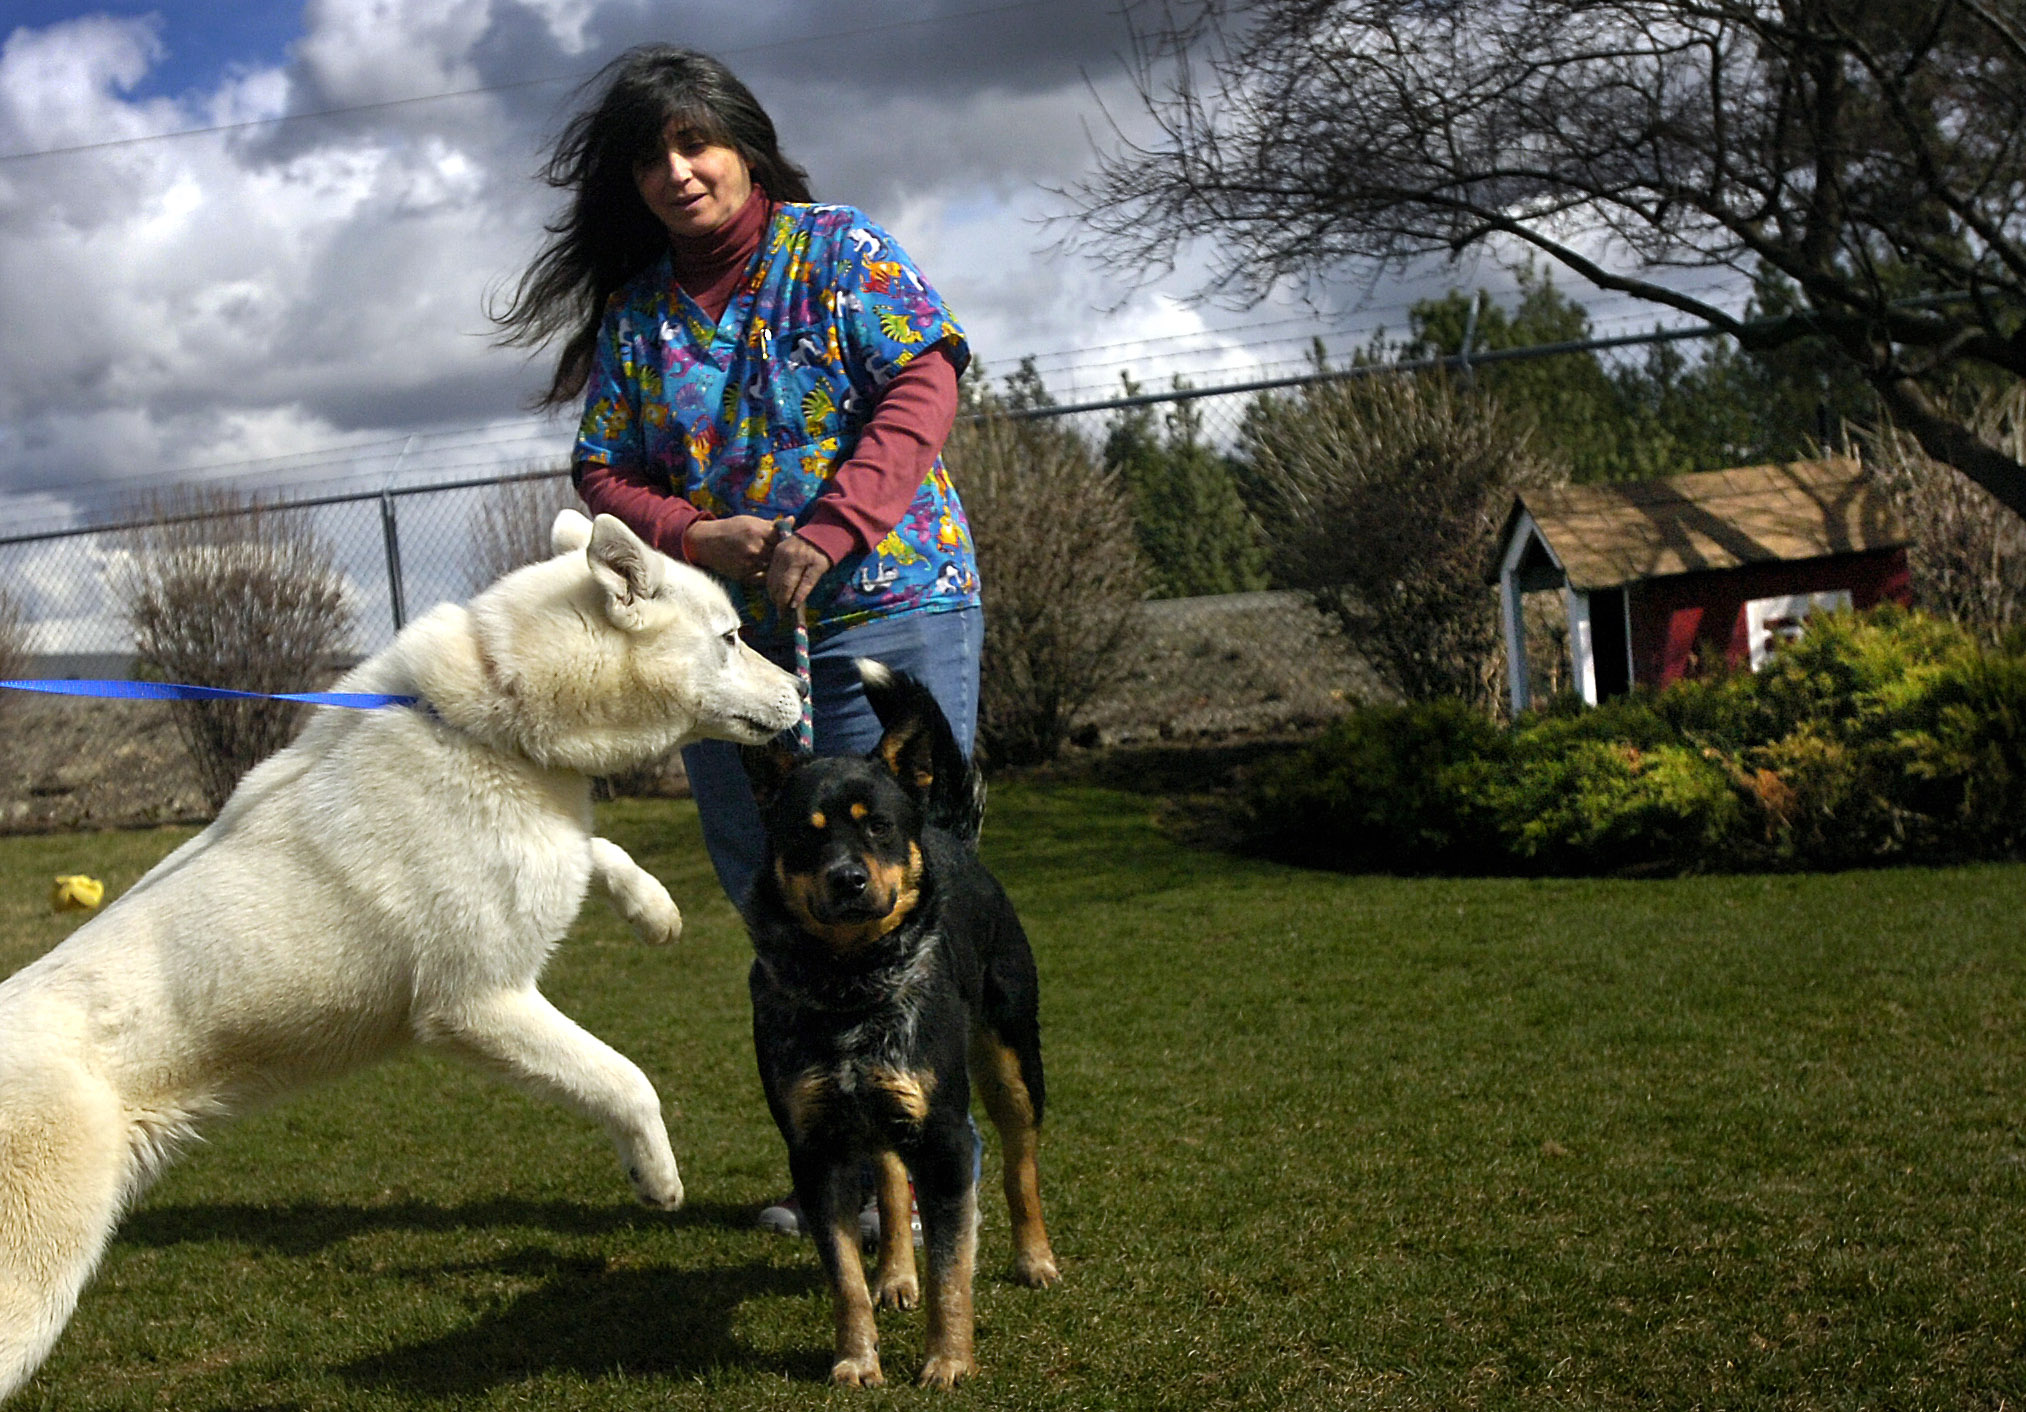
708, 266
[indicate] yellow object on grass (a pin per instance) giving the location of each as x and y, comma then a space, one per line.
76, 893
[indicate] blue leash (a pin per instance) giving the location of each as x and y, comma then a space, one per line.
169, 691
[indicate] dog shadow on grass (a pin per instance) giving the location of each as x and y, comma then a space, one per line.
306, 1227
588, 1318
575, 1312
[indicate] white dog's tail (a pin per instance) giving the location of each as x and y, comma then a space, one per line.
63, 1178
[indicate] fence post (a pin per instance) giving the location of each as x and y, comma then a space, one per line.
1470, 336
391, 533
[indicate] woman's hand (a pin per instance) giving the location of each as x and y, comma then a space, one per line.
736, 548
751, 550
792, 575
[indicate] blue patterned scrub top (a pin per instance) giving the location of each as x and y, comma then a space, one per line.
752, 414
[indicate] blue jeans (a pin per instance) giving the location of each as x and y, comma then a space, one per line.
940, 650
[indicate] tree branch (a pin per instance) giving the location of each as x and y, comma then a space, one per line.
1947, 440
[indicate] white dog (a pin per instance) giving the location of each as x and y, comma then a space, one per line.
394, 876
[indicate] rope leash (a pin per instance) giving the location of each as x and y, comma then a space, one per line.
805, 729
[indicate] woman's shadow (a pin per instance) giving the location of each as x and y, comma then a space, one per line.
584, 1315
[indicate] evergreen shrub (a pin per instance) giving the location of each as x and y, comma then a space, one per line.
1376, 791
1887, 737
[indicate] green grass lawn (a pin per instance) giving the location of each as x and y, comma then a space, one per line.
1314, 1141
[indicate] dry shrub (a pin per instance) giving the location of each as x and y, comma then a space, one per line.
512, 528
13, 647
1383, 496
222, 591
13, 644
1063, 577
1968, 559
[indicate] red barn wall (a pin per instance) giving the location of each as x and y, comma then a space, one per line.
1690, 622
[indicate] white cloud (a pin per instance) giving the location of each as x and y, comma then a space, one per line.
568, 21
57, 84
377, 51
300, 304
195, 303
183, 302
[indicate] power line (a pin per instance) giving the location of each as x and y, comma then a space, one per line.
1368, 326
337, 454
1201, 333
1165, 367
389, 104
425, 450
449, 441
1452, 361
310, 503
294, 470
1263, 382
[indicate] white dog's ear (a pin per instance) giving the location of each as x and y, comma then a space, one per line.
628, 571
570, 531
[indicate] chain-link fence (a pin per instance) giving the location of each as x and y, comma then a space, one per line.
404, 549
401, 549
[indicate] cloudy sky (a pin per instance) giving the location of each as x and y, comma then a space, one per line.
255, 240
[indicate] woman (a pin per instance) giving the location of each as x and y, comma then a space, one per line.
767, 386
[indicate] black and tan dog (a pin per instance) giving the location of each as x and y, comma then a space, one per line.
890, 975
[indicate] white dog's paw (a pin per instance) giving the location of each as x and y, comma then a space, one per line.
654, 917
658, 1185
636, 894
641, 1138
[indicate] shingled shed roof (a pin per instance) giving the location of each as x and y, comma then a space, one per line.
1605, 536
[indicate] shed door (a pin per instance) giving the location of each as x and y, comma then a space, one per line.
1611, 640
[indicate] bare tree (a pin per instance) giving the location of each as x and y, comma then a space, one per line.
1383, 498
1865, 150
1969, 554
1063, 576
226, 592
512, 528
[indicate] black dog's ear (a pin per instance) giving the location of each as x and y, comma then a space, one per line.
908, 750
920, 750
768, 767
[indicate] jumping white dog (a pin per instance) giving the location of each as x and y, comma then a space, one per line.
395, 876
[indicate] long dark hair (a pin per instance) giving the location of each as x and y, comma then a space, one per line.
607, 235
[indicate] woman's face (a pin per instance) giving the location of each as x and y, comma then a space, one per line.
696, 186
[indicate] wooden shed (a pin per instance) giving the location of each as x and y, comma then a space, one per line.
1662, 577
